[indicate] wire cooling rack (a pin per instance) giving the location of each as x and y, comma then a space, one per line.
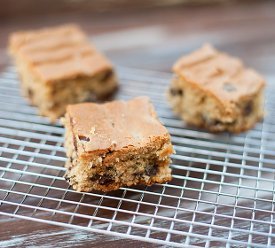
221, 195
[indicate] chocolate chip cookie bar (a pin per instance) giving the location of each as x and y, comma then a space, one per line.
215, 91
115, 144
58, 66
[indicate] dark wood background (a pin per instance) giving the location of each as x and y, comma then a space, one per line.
145, 36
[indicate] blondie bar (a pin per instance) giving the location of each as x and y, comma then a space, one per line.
115, 144
58, 66
215, 91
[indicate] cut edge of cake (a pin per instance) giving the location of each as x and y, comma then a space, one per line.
218, 98
69, 71
111, 168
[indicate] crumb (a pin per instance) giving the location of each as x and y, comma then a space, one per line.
131, 160
50, 78
92, 131
214, 90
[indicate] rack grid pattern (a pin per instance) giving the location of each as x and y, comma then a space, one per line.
221, 195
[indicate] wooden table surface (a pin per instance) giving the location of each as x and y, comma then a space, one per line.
149, 39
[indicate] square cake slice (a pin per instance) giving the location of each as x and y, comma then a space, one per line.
58, 66
215, 91
115, 144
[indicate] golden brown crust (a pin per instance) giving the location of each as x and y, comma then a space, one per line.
77, 66
20, 39
116, 125
58, 53
219, 74
39, 57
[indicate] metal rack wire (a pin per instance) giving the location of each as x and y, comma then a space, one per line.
222, 192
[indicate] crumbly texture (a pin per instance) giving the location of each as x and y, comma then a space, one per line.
115, 144
58, 66
215, 91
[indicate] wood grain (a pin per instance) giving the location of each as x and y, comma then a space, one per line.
246, 31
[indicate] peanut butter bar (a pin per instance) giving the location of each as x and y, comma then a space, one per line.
58, 66
115, 144
215, 91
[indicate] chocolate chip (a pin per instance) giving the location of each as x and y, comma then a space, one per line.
94, 177
137, 174
106, 179
202, 99
209, 121
215, 122
74, 143
84, 138
107, 75
71, 159
248, 108
176, 92
229, 87
110, 168
30, 93
151, 170
67, 178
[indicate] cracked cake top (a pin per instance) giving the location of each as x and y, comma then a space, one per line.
115, 125
219, 74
